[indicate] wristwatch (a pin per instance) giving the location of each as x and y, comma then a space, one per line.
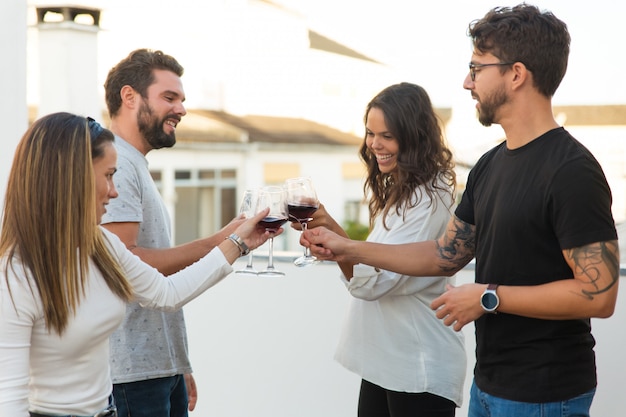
243, 248
490, 300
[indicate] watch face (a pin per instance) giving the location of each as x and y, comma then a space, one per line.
489, 301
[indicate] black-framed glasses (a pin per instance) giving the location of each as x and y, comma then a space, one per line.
474, 67
94, 128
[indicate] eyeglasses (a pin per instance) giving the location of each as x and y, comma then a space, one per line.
94, 128
474, 67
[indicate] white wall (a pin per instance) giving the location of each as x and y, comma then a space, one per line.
264, 347
608, 145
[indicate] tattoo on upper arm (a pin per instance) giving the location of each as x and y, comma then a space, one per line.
592, 263
459, 246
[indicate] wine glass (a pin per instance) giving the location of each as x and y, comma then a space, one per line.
248, 209
274, 198
302, 202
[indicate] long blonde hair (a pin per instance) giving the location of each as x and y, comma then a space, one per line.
49, 228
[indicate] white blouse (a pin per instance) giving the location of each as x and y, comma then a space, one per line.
391, 337
69, 374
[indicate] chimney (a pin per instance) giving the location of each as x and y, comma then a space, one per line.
68, 60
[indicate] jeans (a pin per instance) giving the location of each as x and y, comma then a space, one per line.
160, 397
485, 405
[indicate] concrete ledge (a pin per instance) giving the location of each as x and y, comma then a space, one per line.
289, 256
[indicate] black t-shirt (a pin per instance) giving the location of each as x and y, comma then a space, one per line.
529, 204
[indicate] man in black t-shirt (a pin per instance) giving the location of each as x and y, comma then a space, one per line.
536, 215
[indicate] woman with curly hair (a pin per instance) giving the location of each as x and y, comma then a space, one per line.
409, 362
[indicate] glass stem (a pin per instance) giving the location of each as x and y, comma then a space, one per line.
249, 265
270, 257
307, 250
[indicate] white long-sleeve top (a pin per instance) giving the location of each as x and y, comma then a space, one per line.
70, 374
391, 337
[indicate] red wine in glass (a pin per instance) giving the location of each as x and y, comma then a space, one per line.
272, 224
301, 213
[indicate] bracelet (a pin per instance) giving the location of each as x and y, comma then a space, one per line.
241, 245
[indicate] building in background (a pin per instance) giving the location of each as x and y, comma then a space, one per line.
267, 97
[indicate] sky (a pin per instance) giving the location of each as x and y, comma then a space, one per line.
427, 41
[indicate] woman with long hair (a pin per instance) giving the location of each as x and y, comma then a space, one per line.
410, 363
64, 280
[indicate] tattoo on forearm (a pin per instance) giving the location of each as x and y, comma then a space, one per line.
458, 247
591, 262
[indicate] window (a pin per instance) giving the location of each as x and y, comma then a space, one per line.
205, 201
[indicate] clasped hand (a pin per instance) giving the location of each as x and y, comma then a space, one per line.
325, 244
459, 305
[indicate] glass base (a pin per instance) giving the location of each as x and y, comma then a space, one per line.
305, 261
247, 271
271, 272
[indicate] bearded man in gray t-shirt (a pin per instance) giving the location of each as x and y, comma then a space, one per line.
149, 356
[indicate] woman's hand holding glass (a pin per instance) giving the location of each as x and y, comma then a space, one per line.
251, 232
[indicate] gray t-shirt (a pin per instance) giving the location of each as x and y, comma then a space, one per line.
150, 343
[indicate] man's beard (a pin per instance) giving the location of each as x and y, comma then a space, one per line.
489, 106
152, 128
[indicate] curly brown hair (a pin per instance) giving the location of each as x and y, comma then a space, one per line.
423, 158
525, 34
